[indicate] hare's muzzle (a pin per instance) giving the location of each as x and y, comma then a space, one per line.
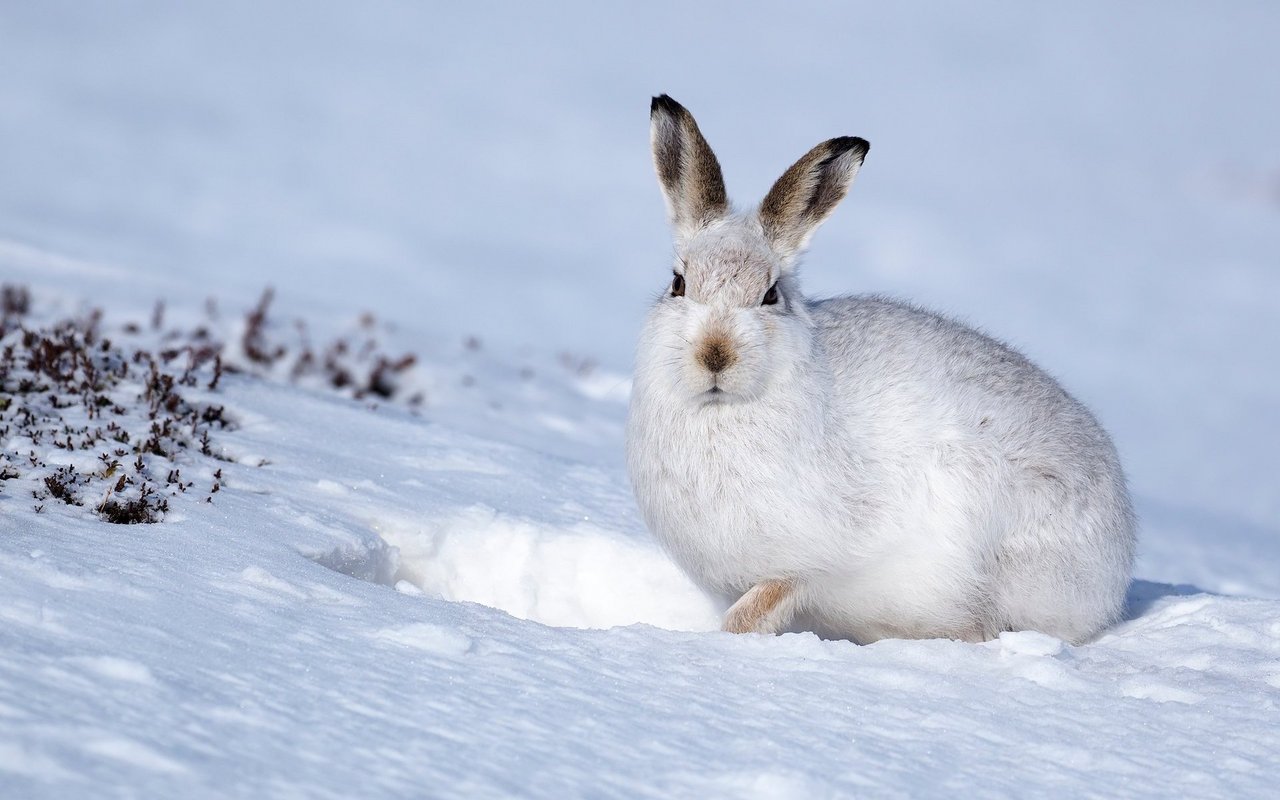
716, 353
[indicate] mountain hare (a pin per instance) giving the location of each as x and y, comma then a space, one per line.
855, 466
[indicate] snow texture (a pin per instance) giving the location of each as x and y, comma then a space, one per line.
461, 601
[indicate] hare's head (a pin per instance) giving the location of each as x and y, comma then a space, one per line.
733, 321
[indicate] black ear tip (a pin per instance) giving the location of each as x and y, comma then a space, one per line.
845, 144
664, 104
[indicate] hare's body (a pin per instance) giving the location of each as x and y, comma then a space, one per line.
952, 489
859, 465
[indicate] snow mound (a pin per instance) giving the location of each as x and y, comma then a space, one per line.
578, 576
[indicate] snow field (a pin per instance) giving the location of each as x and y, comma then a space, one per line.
433, 614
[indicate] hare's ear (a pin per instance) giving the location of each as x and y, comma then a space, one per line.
807, 193
687, 169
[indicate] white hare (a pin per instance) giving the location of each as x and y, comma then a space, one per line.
855, 466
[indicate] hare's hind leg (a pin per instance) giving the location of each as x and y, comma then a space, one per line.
766, 607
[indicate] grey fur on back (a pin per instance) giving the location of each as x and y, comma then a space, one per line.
882, 471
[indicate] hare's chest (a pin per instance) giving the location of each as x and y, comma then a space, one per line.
731, 509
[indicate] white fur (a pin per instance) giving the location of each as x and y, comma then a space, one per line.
910, 476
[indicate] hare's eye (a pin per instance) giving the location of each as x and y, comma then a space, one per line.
771, 296
677, 286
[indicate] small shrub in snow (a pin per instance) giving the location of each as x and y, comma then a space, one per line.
108, 423
78, 406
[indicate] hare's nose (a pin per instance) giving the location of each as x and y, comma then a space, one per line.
716, 354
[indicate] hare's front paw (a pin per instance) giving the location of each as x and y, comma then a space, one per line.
767, 607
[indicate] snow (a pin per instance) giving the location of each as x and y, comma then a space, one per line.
460, 599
